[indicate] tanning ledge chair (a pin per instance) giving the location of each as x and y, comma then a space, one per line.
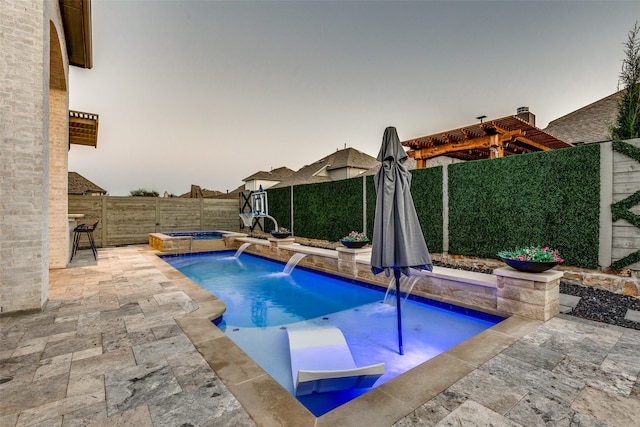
321, 361
88, 230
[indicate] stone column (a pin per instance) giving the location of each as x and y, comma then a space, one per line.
347, 259
276, 243
531, 295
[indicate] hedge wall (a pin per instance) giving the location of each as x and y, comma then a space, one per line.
328, 210
546, 198
426, 190
279, 207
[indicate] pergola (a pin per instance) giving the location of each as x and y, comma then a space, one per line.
490, 139
83, 128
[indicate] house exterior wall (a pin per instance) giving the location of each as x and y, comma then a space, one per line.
345, 173
254, 185
24, 148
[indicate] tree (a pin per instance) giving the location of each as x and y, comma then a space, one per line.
143, 192
627, 124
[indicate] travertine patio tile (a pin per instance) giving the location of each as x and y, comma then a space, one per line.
593, 375
521, 373
156, 352
185, 303
115, 360
85, 354
34, 345
54, 366
20, 369
122, 340
57, 408
535, 355
471, 413
489, 391
615, 410
86, 384
538, 410
209, 404
88, 416
138, 385
72, 344
191, 370
18, 396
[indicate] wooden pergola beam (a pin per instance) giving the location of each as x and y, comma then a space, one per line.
481, 143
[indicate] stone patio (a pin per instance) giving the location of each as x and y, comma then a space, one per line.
118, 344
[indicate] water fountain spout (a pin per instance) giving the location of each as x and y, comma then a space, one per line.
293, 261
241, 249
406, 286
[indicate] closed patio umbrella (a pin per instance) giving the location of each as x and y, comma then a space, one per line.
398, 242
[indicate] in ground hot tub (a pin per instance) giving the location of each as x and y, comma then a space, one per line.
187, 241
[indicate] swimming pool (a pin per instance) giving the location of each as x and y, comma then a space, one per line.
262, 302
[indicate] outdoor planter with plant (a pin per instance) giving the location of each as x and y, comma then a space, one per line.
281, 232
533, 259
355, 240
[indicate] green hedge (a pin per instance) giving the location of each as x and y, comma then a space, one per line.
279, 207
426, 190
546, 198
328, 210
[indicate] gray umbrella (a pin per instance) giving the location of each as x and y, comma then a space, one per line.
398, 242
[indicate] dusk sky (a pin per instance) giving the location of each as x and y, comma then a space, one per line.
210, 92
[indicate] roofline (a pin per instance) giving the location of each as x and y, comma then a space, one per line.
76, 21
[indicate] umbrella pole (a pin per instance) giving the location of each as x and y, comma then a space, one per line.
396, 273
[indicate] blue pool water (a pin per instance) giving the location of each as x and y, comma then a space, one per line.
262, 302
198, 235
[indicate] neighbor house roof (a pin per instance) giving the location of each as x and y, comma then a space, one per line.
313, 173
202, 193
76, 20
508, 135
588, 124
78, 184
277, 174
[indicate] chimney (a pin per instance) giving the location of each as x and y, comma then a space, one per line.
524, 114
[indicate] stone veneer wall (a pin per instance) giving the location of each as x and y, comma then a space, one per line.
58, 166
24, 148
624, 282
506, 292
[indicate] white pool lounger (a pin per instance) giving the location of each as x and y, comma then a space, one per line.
321, 361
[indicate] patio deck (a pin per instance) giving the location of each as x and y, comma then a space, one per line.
118, 345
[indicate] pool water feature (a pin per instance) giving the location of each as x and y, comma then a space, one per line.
262, 302
187, 241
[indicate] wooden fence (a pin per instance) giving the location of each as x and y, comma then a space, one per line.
129, 220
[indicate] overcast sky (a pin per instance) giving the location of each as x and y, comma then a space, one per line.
210, 92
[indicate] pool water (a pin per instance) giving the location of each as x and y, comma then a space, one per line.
197, 235
262, 302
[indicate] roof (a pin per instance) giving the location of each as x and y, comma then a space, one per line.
346, 158
510, 134
83, 128
76, 20
277, 174
588, 124
351, 158
78, 184
196, 192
